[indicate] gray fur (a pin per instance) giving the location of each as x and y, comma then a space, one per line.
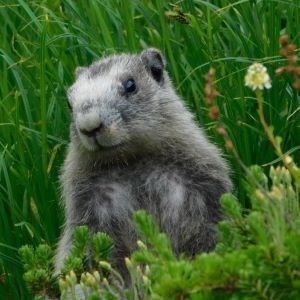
148, 154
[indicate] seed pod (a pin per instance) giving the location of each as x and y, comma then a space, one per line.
141, 245
280, 71
128, 263
214, 112
297, 71
208, 89
293, 59
229, 145
292, 47
283, 40
212, 72
290, 69
296, 85
283, 52
221, 131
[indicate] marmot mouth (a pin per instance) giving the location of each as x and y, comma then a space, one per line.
108, 147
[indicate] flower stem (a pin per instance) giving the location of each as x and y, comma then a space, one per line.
264, 123
287, 160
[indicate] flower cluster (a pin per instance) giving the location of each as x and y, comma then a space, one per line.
210, 94
257, 77
177, 14
289, 51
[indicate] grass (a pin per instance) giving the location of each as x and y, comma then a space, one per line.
41, 43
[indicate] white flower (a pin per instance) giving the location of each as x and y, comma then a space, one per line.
257, 77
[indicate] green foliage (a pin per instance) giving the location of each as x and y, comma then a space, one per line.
75, 260
38, 265
257, 256
42, 42
39, 268
101, 245
150, 231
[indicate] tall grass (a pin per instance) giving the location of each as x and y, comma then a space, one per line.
41, 43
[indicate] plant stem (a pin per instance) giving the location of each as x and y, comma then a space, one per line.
287, 161
266, 127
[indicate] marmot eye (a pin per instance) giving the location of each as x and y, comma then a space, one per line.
129, 86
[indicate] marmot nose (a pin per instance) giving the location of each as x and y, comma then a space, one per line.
94, 131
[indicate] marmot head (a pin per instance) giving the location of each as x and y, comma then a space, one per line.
119, 102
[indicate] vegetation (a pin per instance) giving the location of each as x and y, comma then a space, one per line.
257, 256
41, 44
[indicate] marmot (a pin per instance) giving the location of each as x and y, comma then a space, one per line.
135, 146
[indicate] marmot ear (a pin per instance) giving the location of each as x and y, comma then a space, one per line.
79, 71
154, 62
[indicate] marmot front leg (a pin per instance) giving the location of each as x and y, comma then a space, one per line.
107, 206
63, 249
189, 212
